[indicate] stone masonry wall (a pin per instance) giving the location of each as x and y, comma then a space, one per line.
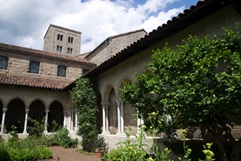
113, 46
51, 42
19, 64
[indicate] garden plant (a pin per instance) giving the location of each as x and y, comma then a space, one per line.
84, 98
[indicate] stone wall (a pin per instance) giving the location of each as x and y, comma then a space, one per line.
113, 45
19, 64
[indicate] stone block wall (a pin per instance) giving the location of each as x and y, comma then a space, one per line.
19, 64
113, 45
51, 42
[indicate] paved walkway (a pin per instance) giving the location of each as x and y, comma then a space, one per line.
71, 154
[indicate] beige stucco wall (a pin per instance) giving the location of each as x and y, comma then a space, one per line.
28, 95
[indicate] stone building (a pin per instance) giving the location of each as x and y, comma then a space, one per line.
62, 40
33, 83
24, 92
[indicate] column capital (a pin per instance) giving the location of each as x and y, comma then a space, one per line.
26, 109
105, 104
47, 110
4, 109
65, 111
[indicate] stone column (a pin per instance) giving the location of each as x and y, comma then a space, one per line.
26, 121
70, 119
3, 119
76, 121
122, 116
105, 118
65, 117
118, 116
46, 121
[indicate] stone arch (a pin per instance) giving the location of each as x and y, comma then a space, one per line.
15, 115
56, 114
110, 97
129, 112
36, 111
121, 84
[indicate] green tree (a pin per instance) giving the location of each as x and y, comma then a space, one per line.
84, 98
197, 83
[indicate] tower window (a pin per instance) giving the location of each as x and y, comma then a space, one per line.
59, 37
62, 70
3, 62
59, 48
69, 50
34, 67
70, 39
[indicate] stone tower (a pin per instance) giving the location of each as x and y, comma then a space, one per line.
62, 40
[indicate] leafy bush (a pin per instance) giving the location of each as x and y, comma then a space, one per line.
100, 144
61, 138
130, 149
4, 156
35, 127
27, 149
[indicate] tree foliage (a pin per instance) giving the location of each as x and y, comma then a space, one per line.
84, 98
198, 83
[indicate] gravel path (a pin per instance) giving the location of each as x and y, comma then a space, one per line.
71, 154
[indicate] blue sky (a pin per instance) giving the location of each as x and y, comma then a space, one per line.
25, 22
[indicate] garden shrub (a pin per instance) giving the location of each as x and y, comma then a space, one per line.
35, 127
84, 97
4, 156
61, 138
27, 149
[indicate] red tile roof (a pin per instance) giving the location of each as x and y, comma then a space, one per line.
29, 81
23, 50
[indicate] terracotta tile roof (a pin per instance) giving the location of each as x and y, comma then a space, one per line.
29, 81
41, 53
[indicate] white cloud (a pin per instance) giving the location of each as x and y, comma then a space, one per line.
25, 22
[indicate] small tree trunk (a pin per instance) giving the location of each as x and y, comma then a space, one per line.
235, 155
218, 140
221, 148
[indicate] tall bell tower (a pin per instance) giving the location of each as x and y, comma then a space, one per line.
62, 40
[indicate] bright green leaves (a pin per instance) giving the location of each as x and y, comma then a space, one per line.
200, 80
85, 101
